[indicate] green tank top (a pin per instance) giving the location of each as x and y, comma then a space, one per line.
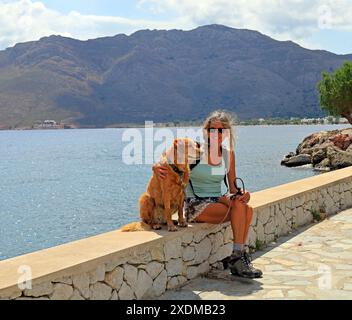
206, 180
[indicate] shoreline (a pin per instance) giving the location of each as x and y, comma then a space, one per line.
127, 126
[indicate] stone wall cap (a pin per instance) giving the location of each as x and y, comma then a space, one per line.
269, 196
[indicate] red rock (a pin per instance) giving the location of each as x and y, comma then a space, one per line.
341, 141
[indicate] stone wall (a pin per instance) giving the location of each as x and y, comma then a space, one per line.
145, 272
279, 218
121, 265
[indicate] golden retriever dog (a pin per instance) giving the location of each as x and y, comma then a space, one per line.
166, 196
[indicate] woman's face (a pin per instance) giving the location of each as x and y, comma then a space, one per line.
216, 132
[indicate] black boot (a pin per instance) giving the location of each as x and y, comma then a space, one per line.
243, 267
235, 255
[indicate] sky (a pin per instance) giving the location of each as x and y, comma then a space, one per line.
313, 24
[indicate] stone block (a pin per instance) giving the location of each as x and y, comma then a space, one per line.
154, 268
40, 289
114, 278
62, 292
81, 282
173, 249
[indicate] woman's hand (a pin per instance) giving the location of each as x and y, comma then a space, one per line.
245, 197
160, 170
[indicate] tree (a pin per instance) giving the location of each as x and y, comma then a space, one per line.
336, 92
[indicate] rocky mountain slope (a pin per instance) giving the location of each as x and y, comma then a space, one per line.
161, 76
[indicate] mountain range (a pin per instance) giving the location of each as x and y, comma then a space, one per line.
160, 75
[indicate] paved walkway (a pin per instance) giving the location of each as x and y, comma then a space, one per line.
313, 263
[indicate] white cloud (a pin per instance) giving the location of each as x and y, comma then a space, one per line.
26, 20
293, 20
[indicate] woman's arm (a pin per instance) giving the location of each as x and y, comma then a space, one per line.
160, 170
231, 175
245, 197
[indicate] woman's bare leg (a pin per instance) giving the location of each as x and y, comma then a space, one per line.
239, 221
214, 213
249, 217
240, 216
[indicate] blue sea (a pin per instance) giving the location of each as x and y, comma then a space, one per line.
62, 185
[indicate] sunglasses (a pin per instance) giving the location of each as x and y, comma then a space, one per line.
213, 130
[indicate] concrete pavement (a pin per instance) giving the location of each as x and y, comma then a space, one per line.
314, 262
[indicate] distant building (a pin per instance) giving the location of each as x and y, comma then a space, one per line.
326, 120
48, 124
308, 121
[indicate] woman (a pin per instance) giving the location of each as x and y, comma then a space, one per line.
204, 201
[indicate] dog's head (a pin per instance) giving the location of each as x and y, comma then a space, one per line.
182, 153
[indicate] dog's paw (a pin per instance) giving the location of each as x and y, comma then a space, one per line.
183, 224
156, 226
172, 228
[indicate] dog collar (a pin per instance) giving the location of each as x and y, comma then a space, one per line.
181, 174
176, 169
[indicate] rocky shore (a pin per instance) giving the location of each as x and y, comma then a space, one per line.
325, 151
